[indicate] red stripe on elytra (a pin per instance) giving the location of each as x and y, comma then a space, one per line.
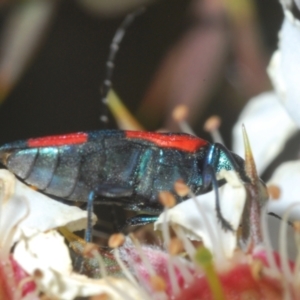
59, 140
181, 142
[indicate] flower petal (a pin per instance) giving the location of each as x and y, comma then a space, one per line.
284, 68
287, 178
269, 127
39, 211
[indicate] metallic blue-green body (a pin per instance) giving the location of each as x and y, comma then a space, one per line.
127, 172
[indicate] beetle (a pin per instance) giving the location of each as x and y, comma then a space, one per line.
127, 168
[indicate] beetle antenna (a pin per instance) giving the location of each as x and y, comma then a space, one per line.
110, 64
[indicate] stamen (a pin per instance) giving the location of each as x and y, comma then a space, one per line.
274, 191
172, 275
70, 236
145, 261
283, 245
179, 114
100, 297
127, 273
215, 241
184, 271
122, 294
296, 226
175, 246
124, 268
168, 200
287, 272
267, 241
158, 283
256, 269
38, 274
205, 259
181, 188
142, 255
116, 240
165, 229
124, 119
212, 126
188, 246
91, 250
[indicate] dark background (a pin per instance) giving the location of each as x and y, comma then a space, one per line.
59, 92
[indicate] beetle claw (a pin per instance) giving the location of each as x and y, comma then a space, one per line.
226, 226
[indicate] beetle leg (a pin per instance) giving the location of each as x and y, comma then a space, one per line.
89, 228
209, 179
141, 219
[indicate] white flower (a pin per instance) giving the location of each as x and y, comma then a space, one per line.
46, 257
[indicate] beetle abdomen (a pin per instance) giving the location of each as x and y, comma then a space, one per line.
53, 170
65, 174
42, 168
20, 162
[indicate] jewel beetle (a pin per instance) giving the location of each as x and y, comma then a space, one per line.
127, 168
